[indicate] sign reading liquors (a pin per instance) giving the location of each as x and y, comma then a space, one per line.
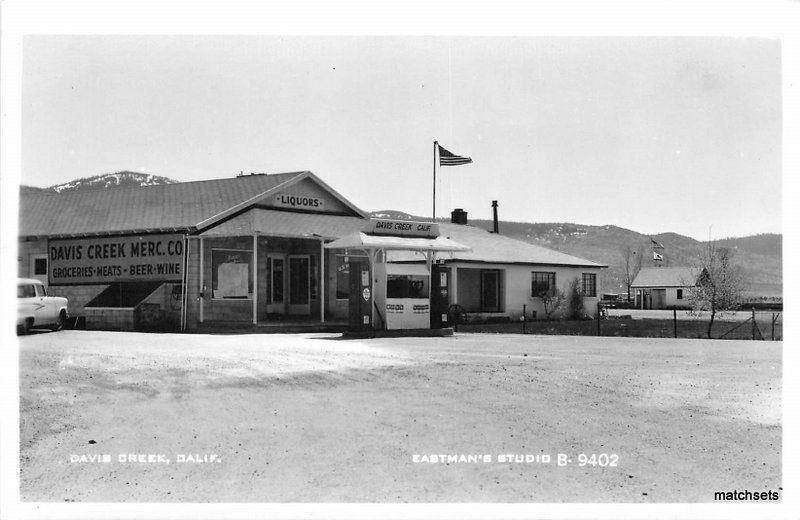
298, 201
115, 259
403, 228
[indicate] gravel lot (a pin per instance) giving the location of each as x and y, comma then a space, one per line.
314, 418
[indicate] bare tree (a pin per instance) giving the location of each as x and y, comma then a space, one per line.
720, 285
632, 264
552, 300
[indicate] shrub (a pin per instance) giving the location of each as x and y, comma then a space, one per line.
575, 310
552, 301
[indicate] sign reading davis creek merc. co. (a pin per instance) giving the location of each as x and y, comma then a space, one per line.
115, 259
403, 228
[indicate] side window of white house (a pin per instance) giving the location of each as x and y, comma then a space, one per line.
542, 283
680, 294
589, 284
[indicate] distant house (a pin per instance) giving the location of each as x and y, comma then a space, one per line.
664, 287
500, 274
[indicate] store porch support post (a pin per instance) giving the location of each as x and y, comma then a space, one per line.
255, 279
202, 282
322, 279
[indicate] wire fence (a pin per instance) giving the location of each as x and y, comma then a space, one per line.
760, 325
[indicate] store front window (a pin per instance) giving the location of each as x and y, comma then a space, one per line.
232, 274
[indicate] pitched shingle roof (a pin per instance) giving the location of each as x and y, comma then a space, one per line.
494, 248
192, 205
666, 277
147, 208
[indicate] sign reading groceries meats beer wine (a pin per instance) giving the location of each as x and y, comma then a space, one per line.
115, 259
403, 228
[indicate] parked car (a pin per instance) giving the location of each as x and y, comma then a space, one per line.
36, 309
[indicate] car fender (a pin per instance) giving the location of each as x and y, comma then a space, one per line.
25, 311
63, 305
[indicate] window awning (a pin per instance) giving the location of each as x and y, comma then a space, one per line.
389, 243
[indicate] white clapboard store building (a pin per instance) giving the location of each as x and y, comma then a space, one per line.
270, 251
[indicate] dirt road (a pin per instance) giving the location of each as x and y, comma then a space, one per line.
312, 418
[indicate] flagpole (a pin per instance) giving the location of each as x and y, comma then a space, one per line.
435, 144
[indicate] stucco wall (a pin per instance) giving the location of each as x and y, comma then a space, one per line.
517, 288
672, 297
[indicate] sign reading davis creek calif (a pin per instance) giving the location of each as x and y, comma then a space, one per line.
115, 259
403, 228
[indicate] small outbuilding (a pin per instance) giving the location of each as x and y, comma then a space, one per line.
665, 287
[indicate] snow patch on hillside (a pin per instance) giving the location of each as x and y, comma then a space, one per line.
122, 179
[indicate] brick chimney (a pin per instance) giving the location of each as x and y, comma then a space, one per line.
458, 216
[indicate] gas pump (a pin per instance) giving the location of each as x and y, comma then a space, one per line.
360, 308
440, 296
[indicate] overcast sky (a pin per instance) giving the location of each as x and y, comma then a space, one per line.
651, 134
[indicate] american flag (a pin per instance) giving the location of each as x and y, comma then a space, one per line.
450, 159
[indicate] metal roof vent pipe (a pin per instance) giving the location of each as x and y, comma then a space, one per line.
458, 216
496, 226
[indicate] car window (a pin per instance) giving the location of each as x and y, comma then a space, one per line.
25, 291
39, 290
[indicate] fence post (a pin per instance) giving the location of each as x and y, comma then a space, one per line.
524, 312
773, 326
675, 320
753, 328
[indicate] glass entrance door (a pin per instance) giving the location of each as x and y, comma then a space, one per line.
300, 285
276, 303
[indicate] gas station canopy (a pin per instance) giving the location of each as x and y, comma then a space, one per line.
364, 241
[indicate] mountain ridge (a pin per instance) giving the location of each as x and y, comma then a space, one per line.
760, 255
120, 179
